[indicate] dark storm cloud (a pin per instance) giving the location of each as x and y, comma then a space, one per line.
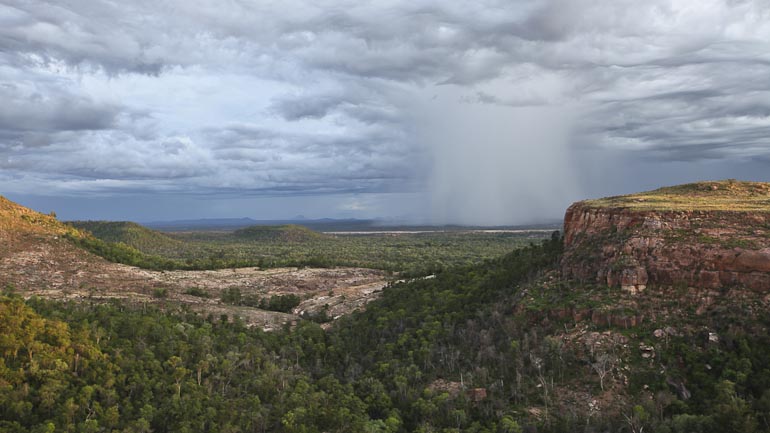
33, 110
369, 106
700, 111
296, 162
346, 96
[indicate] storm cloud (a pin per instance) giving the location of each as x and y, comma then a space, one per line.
489, 112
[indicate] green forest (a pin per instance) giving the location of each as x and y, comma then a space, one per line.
410, 254
455, 353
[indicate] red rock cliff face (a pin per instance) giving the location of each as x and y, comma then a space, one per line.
633, 248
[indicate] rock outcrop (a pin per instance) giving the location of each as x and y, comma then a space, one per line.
706, 235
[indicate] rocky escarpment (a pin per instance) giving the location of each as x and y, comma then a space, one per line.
706, 235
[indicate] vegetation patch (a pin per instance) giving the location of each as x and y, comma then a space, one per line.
725, 195
197, 291
280, 303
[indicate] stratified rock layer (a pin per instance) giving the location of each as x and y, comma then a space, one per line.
633, 248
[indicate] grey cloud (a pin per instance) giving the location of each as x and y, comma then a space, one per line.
296, 108
26, 110
481, 97
90, 34
260, 160
356, 103
695, 114
404, 42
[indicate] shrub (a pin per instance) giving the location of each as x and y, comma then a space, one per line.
231, 296
197, 291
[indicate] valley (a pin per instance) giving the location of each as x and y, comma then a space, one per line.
613, 326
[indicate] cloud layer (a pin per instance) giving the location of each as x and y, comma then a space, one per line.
489, 109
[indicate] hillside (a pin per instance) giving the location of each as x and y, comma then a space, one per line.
16, 220
129, 233
278, 234
510, 345
707, 235
42, 256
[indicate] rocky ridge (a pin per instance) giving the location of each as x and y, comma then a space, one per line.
704, 235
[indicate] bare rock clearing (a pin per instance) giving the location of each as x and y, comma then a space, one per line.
51, 267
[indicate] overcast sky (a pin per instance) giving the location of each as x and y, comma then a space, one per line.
483, 112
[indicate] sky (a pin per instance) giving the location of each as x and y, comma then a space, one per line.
480, 112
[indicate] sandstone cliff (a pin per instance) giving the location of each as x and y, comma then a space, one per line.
706, 235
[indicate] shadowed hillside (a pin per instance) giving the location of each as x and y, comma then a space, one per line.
129, 233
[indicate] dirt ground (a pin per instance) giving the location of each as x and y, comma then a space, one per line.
51, 267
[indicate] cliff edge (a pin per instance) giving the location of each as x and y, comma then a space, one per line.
704, 235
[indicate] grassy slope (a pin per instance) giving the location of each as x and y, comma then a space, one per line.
18, 222
724, 195
18, 219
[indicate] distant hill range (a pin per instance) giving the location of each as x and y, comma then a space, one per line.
328, 225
